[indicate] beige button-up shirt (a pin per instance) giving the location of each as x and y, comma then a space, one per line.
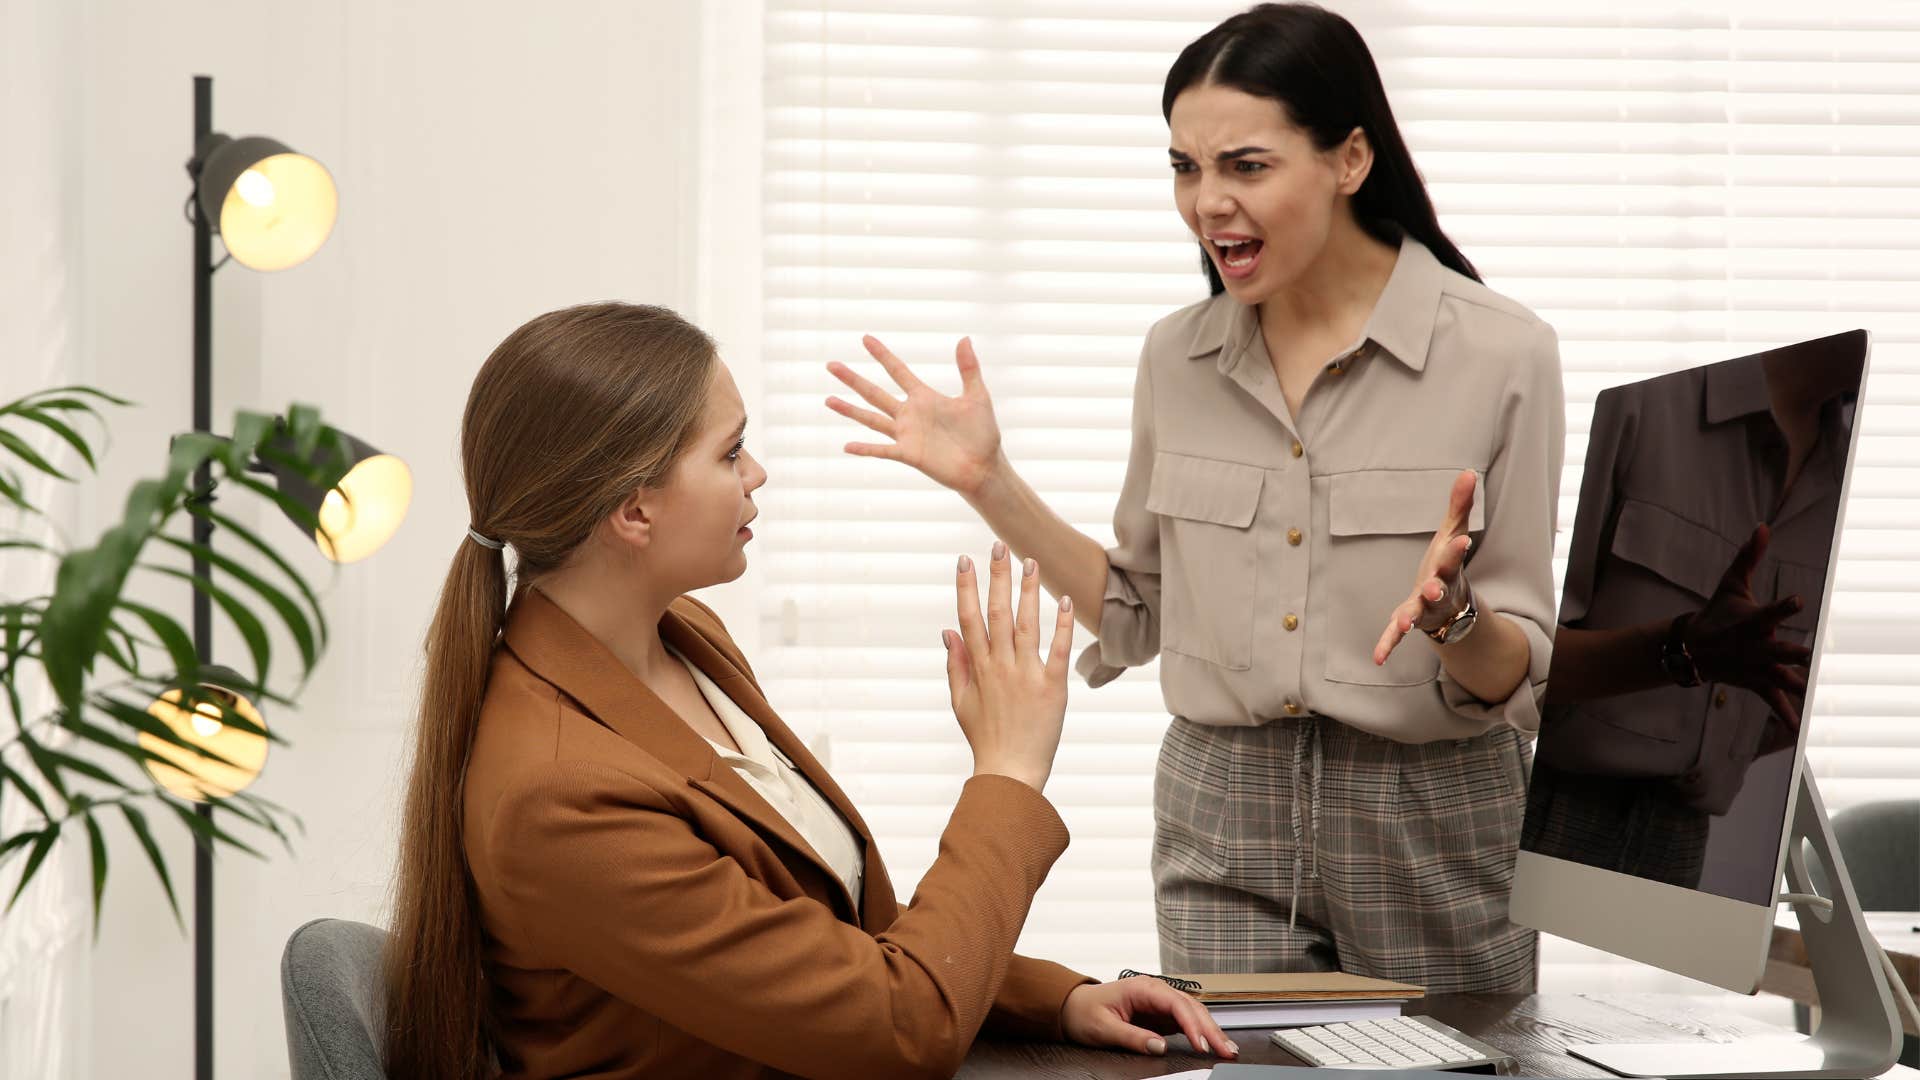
1260, 553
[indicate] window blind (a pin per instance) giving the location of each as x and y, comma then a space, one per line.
1666, 185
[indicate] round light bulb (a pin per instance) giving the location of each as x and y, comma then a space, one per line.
254, 188
336, 515
206, 721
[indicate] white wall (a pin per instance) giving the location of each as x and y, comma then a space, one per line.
43, 941
494, 160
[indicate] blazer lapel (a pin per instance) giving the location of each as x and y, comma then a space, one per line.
561, 651
877, 899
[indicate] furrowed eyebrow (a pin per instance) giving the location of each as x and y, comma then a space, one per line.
1224, 155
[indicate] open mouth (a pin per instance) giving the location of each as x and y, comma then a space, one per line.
1237, 256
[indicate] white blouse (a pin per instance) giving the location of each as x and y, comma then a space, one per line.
776, 780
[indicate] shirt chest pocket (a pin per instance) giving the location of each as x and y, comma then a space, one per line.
1380, 522
1663, 565
1209, 564
1673, 549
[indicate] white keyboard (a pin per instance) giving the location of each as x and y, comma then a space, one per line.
1406, 1042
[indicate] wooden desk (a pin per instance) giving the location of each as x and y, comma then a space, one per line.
1789, 976
1534, 1028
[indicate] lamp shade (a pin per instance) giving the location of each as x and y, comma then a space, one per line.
273, 208
186, 774
363, 510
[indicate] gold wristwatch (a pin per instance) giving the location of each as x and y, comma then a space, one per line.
1457, 628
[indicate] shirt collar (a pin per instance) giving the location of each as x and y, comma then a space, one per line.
1735, 388
1401, 322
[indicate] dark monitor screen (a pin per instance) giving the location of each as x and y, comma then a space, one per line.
1699, 561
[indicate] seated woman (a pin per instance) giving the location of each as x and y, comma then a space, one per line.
615, 860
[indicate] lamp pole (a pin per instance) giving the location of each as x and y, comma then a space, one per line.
202, 604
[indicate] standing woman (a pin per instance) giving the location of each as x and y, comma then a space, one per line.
1328, 794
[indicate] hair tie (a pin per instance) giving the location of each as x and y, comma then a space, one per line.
473, 534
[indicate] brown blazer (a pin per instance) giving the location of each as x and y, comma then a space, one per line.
648, 914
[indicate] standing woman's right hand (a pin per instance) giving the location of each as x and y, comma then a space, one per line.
954, 440
1010, 703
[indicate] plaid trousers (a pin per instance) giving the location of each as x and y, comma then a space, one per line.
1307, 845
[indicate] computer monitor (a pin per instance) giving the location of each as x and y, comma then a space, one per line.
1672, 739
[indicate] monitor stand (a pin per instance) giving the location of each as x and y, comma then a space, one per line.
1859, 1033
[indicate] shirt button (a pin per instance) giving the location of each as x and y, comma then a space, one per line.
1293, 537
1291, 622
1293, 708
1719, 699
1298, 449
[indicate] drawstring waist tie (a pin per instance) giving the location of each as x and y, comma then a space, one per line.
1306, 750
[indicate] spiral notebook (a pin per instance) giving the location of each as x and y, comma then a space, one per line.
1293, 999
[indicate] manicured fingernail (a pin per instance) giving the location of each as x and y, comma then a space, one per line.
1233, 1048
1203, 1045
1156, 1046
966, 564
946, 641
1066, 603
1031, 567
999, 550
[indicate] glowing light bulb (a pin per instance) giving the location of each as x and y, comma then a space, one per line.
255, 188
336, 514
206, 721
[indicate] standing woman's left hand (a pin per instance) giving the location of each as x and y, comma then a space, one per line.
1440, 586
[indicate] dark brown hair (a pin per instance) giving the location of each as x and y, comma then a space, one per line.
1315, 64
572, 413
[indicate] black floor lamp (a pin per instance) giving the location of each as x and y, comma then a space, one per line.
272, 209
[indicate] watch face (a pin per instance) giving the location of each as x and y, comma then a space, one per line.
1457, 627
1679, 667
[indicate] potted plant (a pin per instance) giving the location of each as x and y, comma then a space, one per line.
103, 663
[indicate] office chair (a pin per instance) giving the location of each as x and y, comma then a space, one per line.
331, 988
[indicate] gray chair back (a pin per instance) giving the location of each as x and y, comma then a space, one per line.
1881, 843
333, 992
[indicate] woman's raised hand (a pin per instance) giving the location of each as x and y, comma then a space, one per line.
1439, 586
1010, 700
954, 440
1735, 639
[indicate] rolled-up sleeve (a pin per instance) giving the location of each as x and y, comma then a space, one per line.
1129, 633
1512, 564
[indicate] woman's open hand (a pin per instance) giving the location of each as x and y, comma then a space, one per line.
1440, 586
1010, 701
954, 440
1735, 639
